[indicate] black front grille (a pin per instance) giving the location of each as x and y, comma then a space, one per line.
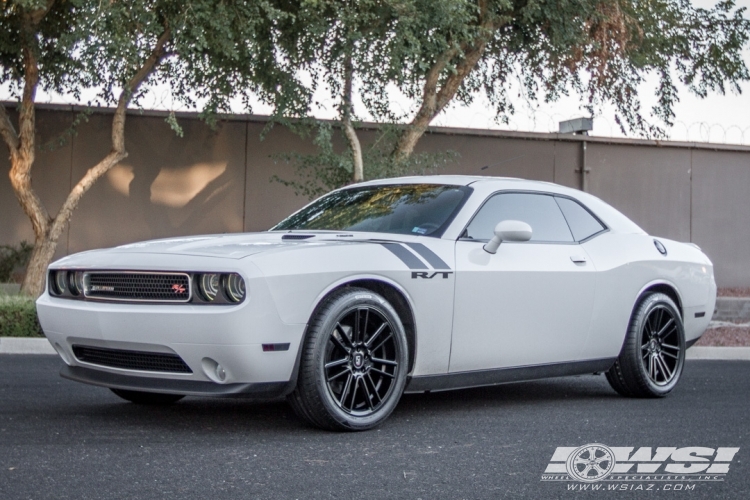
131, 360
155, 287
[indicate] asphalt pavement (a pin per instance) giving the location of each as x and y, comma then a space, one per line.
60, 439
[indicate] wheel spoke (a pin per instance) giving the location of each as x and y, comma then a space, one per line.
645, 346
340, 330
664, 328
354, 393
376, 370
670, 346
368, 396
357, 327
651, 367
382, 342
670, 354
374, 388
665, 368
384, 361
331, 379
346, 390
375, 335
336, 363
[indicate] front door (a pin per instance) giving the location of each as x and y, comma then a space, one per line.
528, 304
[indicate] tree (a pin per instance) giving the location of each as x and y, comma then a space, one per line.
442, 51
206, 51
363, 47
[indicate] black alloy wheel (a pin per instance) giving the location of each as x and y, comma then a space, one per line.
660, 345
653, 354
361, 361
353, 364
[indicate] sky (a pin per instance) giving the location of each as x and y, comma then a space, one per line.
717, 118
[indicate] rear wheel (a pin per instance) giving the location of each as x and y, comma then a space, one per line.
147, 398
653, 356
354, 363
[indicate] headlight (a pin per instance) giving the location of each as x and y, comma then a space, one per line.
209, 286
75, 282
61, 282
234, 287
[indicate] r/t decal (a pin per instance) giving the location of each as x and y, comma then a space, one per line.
429, 276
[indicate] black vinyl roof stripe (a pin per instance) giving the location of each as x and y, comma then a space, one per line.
405, 255
428, 255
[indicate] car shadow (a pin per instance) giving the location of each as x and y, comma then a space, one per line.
241, 416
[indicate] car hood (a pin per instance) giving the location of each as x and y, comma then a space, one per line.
232, 246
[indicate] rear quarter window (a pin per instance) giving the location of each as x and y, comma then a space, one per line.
581, 222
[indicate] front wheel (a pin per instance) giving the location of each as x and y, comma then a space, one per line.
653, 354
147, 398
354, 363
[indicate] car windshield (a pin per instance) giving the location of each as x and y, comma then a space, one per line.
420, 209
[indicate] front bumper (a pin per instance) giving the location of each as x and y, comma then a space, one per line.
232, 336
262, 390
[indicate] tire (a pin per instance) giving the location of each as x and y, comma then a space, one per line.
353, 364
147, 398
653, 355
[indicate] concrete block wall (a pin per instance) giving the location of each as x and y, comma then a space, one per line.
218, 180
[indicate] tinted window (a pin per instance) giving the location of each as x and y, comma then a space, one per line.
539, 211
403, 209
580, 220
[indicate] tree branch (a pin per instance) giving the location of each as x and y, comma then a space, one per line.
434, 100
118, 122
118, 152
37, 15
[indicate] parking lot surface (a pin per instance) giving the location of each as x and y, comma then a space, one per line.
60, 439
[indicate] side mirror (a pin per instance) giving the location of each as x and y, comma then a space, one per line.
508, 230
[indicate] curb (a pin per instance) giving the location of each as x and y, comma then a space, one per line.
16, 345
721, 353
732, 309
20, 345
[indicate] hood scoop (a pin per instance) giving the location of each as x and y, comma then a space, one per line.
297, 237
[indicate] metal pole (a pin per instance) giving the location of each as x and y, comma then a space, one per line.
584, 169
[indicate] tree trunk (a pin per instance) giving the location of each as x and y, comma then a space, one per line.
358, 174
47, 230
44, 250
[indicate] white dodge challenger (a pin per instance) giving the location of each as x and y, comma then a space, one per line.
391, 286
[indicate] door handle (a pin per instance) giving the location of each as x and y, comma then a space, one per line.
578, 259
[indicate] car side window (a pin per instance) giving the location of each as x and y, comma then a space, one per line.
582, 224
540, 211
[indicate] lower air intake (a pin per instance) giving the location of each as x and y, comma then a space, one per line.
131, 360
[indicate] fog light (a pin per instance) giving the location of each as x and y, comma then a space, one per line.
220, 373
214, 371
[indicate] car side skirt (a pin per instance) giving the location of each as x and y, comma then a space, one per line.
463, 380
264, 390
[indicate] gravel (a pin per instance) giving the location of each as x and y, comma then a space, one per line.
726, 334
